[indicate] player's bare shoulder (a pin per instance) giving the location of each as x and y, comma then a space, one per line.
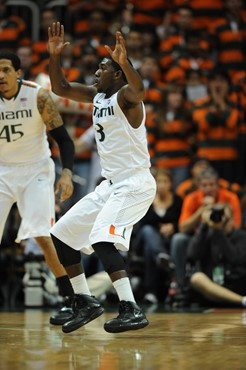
48, 110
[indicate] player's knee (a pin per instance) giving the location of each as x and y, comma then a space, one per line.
109, 256
67, 255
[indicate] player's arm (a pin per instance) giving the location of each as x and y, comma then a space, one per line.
133, 92
54, 124
59, 83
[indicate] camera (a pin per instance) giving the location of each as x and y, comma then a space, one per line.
217, 214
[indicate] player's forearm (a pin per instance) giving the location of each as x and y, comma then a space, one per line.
135, 83
59, 84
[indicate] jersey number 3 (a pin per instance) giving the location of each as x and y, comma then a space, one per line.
11, 133
100, 131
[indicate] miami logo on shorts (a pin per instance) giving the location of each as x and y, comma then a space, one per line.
112, 231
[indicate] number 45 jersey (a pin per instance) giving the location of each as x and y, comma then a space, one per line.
122, 149
23, 138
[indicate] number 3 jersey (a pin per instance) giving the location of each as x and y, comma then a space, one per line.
122, 149
23, 138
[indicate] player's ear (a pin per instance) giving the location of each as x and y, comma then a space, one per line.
18, 73
118, 74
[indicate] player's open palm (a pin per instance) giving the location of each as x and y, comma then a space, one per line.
56, 38
119, 54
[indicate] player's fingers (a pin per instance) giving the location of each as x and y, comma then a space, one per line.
122, 41
53, 29
118, 34
58, 28
62, 30
64, 45
49, 32
109, 50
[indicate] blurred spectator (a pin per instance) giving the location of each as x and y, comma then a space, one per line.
219, 249
193, 58
135, 47
93, 31
173, 135
218, 123
192, 183
70, 67
147, 12
26, 57
83, 8
154, 234
88, 63
229, 37
173, 45
12, 30
150, 41
207, 196
196, 85
41, 55
206, 13
151, 77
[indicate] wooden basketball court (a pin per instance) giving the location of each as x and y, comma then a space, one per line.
215, 339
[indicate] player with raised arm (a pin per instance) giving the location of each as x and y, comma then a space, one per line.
102, 221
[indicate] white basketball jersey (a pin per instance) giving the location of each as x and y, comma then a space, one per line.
23, 136
122, 149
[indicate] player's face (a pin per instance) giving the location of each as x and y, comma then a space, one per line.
8, 78
104, 76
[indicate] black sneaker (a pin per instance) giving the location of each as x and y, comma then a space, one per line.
85, 309
130, 317
64, 314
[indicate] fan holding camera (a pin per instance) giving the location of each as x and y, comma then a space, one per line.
208, 194
219, 250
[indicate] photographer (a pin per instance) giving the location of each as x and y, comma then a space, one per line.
219, 249
206, 196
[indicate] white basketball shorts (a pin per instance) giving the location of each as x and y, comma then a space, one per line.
107, 214
32, 187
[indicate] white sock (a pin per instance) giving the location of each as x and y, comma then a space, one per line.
80, 285
244, 301
123, 289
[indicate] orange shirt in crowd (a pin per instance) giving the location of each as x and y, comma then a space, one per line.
193, 201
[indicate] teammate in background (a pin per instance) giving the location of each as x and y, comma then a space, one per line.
102, 221
26, 170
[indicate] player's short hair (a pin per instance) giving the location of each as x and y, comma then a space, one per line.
5, 54
117, 67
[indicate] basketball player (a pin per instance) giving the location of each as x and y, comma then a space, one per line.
102, 221
26, 170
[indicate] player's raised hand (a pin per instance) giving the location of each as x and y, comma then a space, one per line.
56, 38
119, 54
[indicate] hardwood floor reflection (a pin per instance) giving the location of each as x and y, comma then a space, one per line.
172, 341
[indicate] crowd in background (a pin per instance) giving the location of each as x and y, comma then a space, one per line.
191, 56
